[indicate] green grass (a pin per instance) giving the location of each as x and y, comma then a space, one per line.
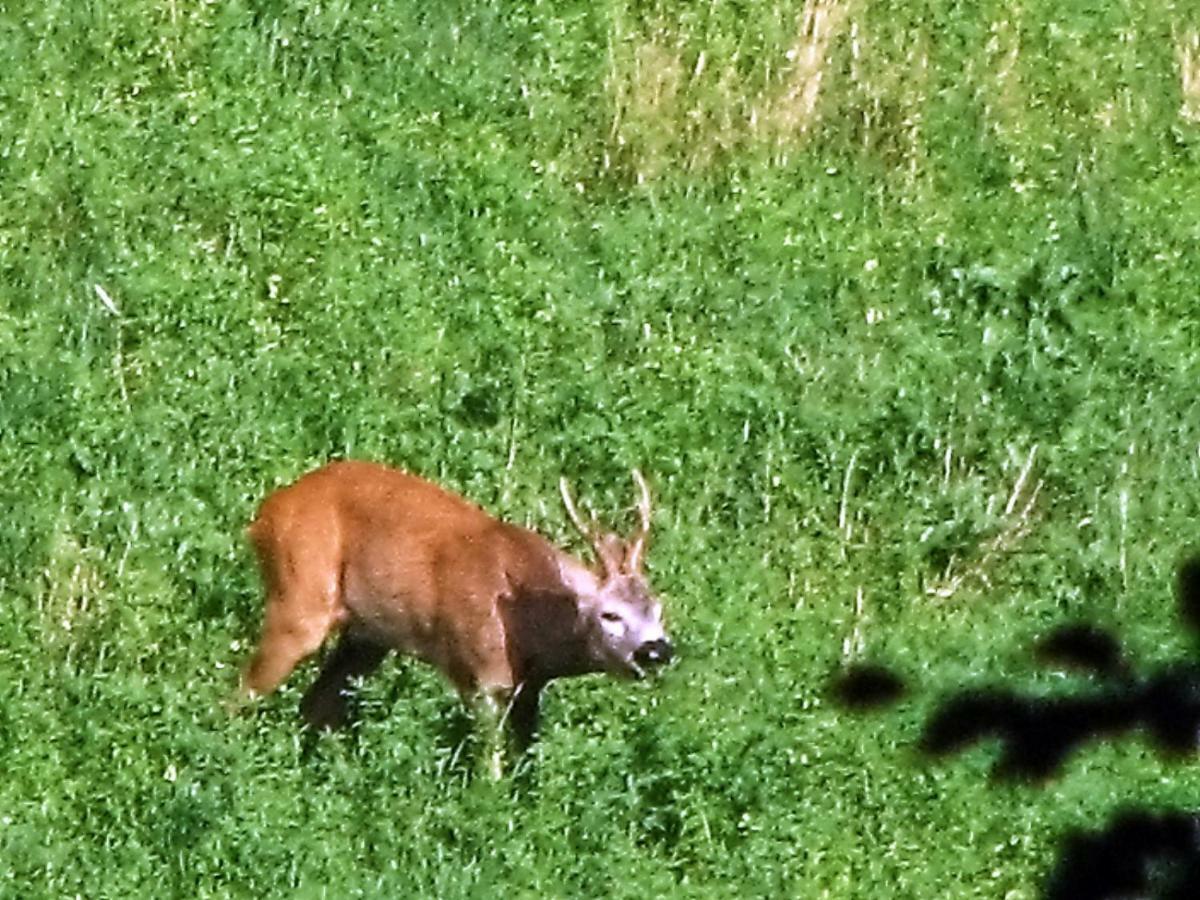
477, 240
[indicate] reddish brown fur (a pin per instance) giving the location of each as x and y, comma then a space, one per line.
396, 562
427, 567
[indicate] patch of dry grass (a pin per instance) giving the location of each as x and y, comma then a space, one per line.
791, 109
681, 100
674, 103
1006, 104
74, 591
1016, 524
1187, 49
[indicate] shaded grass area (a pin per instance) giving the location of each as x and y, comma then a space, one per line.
239, 239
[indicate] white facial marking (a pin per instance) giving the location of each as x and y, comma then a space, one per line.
613, 625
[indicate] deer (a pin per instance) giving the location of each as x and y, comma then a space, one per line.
387, 561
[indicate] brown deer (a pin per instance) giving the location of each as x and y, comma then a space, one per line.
394, 562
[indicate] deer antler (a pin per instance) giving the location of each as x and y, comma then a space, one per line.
607, 547
564, 488
634, 558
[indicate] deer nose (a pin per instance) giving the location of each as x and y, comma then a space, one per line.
654, 653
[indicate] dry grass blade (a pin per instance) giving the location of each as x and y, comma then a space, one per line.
1187, 50
794, 109
1018, 512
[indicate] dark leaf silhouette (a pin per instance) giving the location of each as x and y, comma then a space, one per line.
1140, 854
866, 687
1083, 647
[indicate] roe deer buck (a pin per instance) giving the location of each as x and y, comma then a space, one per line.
397, 563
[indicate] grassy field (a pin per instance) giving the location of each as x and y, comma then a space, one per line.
895, 304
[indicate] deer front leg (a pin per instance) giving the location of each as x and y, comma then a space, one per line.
491, 708
523, 713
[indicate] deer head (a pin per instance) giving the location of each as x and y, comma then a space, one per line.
620, 618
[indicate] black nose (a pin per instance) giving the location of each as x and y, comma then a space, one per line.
654, 653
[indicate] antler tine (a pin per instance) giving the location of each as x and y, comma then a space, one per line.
638, 544
565, 489
643, 500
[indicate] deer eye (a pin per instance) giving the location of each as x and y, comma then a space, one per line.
609, 616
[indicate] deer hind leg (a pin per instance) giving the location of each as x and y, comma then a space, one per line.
325, 704
287, 640
303, 606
